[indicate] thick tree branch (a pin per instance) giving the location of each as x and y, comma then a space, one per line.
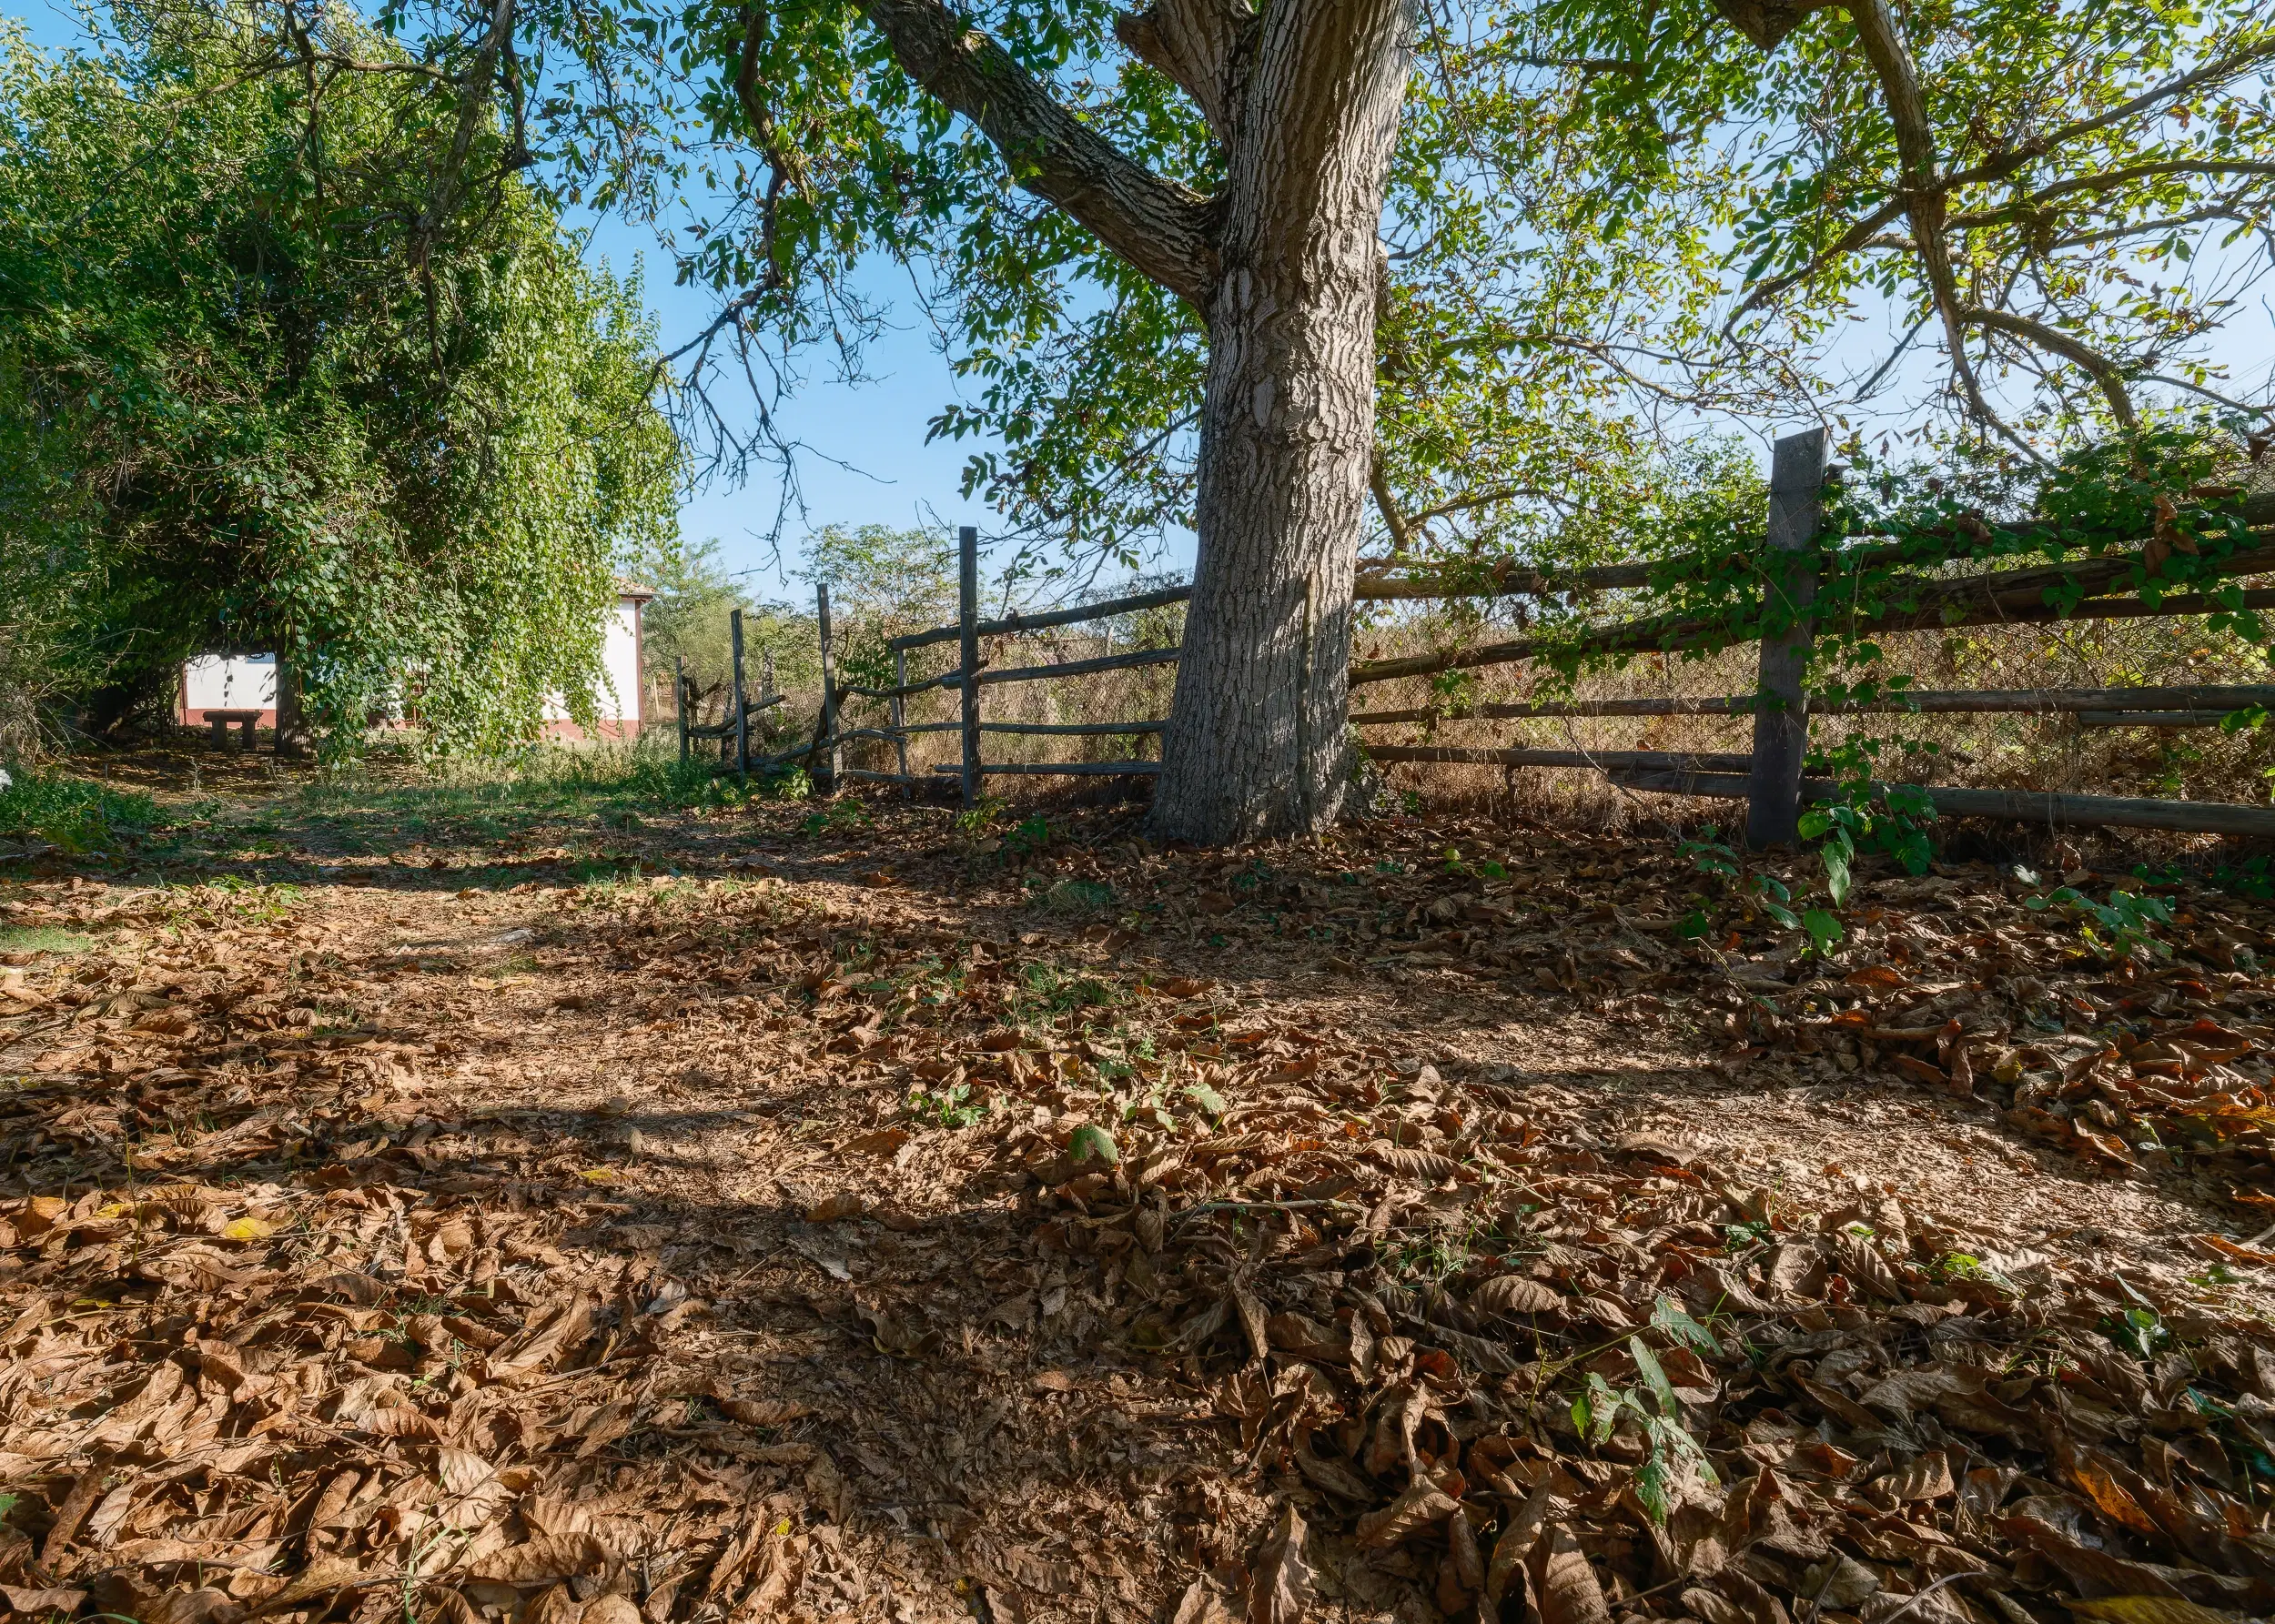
1308, 111
473, 93
2109, 179
1386, 503
447, 185
2104, 371
1922, 192
1856, 236
1998, 167
1506, 493
1198, 45
1159, 229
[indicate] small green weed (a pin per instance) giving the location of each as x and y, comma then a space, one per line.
1599, 1408
1865, 816
1765, 894
1754, 1232
2140, 1332
2126, 920
1045, 989
845, 816
1078, 897
975, 821
949, 1107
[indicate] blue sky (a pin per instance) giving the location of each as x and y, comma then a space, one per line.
867, 462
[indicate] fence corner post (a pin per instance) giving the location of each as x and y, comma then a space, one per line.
834, 753
1781, 714
968, 623
900, 715
741, 712
679, 701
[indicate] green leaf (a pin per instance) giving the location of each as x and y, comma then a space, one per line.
1652, 1484
1655, 1379
1207, 1098
1836, 873
1092, 1146
1596, 1411
1667, 1315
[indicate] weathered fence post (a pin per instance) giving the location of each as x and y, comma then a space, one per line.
1781, 716
967, 622
900, 718
766, 673
679, 701
742, 716
833, 756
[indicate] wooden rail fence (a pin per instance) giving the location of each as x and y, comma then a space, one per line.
1769, 778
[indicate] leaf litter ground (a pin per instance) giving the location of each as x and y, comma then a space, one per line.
803, 1215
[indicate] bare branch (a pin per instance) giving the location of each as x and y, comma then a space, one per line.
1505, 493
473, 93
1922, 197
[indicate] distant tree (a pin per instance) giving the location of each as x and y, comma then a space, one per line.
686, 629
883, 583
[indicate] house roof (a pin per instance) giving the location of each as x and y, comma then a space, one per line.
628, 588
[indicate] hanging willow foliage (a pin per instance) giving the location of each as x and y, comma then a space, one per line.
259, 399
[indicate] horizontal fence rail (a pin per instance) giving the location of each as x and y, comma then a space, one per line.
2015, 597
2214, 702
1078, 668
1105, 609
1379, 583
2014, 806
1093, 729
1601, 759
1061, 769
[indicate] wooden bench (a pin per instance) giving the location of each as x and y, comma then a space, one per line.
219, 721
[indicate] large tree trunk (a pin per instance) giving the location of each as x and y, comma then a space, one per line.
1285, 263
1255, 745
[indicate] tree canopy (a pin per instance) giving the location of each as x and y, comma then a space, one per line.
259, 395
1606, 227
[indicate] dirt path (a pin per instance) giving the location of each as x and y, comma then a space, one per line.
556, 1210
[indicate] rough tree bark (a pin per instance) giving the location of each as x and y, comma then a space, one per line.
1285, 266
1287, 447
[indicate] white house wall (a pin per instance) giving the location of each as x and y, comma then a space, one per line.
616, 703
228, 682
248, 682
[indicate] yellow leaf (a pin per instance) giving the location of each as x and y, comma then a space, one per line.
247, 1229
599, 1176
